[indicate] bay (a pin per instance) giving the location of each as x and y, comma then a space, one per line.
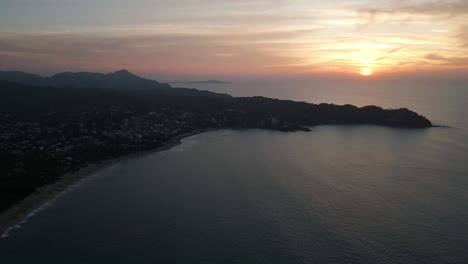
338, 194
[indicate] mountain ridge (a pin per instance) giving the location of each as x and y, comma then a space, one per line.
118, 80
121, 79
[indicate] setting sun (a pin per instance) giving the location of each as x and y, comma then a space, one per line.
366, 72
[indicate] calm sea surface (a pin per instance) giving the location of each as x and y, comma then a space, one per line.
338, 194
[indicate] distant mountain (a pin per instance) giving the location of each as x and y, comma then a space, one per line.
205, 82
119, 80
22, 78
122, 79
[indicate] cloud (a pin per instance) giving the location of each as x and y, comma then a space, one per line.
435, 57
217, 51
451, 62
442, 17
395, 50
430, 8
240, 37
462, 36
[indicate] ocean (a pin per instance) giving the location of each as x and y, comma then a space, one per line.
442, 101
337, 194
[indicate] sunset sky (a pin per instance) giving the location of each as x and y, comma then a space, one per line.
198, 38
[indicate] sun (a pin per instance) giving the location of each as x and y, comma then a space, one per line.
366, 72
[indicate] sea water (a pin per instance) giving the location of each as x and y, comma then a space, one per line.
338, 194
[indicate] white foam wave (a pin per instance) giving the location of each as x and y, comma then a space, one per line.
45, 205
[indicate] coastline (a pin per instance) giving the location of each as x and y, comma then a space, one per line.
20, 212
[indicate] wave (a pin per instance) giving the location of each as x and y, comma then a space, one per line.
46, 205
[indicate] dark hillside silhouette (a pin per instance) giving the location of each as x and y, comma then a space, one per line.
47, 131
119, 80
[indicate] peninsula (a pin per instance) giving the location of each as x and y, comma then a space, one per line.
56, 126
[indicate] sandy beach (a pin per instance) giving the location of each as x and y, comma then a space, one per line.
16, 214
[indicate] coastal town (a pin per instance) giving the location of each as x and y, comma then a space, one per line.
47, 133
59, 144
50, 149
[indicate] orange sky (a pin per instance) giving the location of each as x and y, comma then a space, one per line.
235, 38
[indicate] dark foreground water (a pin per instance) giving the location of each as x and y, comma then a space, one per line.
358, 194
339, 194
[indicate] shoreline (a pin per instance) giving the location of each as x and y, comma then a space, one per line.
19, 213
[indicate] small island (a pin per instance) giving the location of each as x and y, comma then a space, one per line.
56, 126
201, 82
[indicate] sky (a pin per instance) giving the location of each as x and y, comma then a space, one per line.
218, 38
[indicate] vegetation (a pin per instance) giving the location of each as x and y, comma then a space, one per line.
47, 131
